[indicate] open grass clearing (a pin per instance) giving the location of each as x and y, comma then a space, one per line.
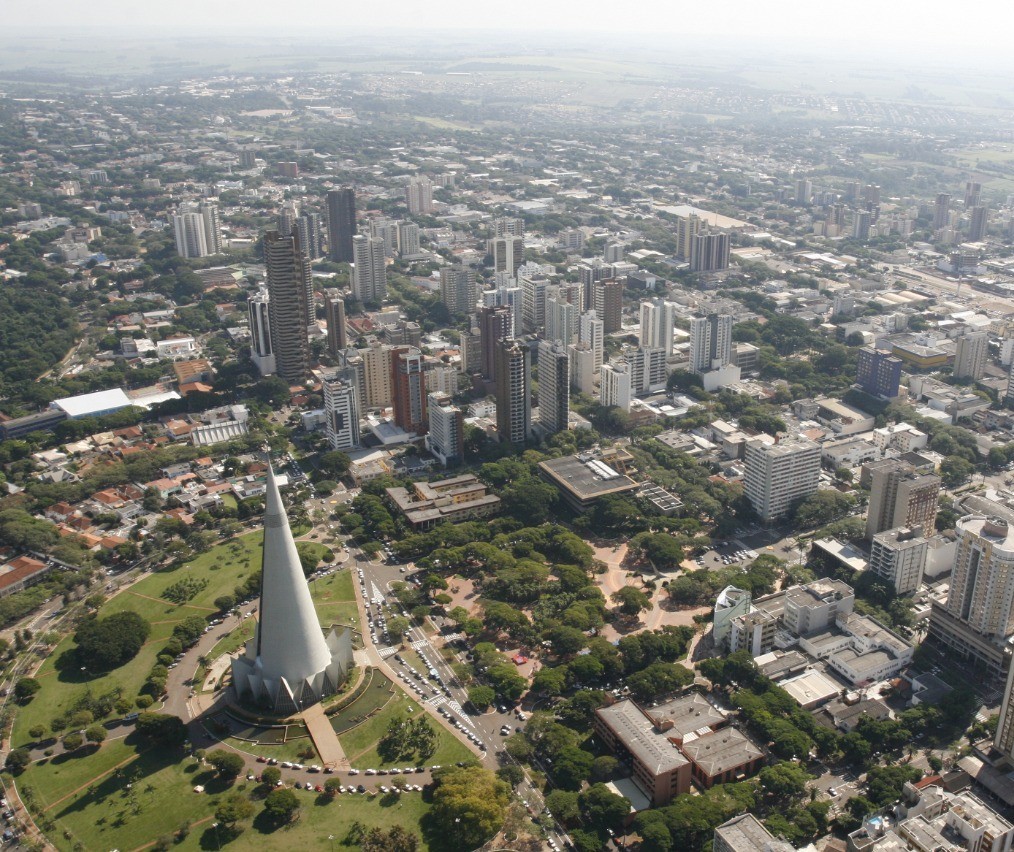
360, 743
223, 566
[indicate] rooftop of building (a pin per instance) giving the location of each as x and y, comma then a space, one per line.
641, 738
746, 833
811, 687
587, 477
721, 751
819, 592
683, 715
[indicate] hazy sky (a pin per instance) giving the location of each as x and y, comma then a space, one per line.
909, 24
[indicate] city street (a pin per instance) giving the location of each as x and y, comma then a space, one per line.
376, 585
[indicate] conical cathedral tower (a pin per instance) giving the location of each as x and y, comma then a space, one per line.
288, 664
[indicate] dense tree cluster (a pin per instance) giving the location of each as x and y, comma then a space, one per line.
106, 643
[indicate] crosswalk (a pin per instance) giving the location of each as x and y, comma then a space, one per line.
389, 651
439, 700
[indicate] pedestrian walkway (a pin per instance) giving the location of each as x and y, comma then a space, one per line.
324, 738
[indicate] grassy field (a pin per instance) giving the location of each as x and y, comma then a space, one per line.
107, 814
360, 743
335, 599
224, 566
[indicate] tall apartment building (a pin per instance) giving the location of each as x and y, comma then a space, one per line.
607, 302
351, 364
710, 342
658, 319
408, 387
900, 497
385, 230
377, 376
408, 239
978, 224
647, 370
341, 410
591, 330
614, 385
508, 254
419, 196
878, 372
457, 289
561, 318
334, 314
973, 194
582, 367
779, 474
534, 287
710, 252
369, 273
687, 228
513, 370
804, 190
287, 218
341, 224
446, 437
309, 232
197, 230
590, 271
941, 211
289, 288
508, 226
262, 352
494, 327
899, 557
554, 387
977, 620
971, 351
509, 294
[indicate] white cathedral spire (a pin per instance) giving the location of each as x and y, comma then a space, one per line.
288, 663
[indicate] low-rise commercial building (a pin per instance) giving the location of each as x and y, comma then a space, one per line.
584, 478
456, 499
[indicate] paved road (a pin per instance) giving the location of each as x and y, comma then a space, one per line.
376, 581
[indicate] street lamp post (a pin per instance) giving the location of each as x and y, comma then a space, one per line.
218, 842
330, 838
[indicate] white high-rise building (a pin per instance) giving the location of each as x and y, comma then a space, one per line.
554, 387
614, 385
899, 557
408, 239
582, 367
385, 230
289, 664
779, 474
592, 332
561, 320
534, 288
369, 271
419, 196
647, 371
446, 437
262, 352
710, 342
658, 318
197, 230
341, 410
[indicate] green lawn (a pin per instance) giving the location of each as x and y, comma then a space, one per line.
335, 599
224, 566
288, 750
360, 743
108, 815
